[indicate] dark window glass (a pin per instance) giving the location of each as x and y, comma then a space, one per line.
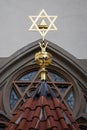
22, 87
13, 98
70, 99
56, 77
29, 76
62, 89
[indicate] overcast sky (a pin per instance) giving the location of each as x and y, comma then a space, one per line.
72, 25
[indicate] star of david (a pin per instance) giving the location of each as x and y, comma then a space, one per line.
43, 23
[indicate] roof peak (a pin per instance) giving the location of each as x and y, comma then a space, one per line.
44, 90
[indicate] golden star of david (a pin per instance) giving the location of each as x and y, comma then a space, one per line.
43, 23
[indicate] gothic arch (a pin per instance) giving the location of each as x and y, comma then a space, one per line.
63, 62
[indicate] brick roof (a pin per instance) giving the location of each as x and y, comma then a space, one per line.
43, 111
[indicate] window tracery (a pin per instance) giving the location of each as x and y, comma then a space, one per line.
24, 86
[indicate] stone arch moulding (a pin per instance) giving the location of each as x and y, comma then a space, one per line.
25, 57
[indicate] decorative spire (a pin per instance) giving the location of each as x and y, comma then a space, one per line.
43, 23
43, 110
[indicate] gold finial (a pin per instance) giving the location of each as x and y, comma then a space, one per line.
43, 46
43, 23
43, 59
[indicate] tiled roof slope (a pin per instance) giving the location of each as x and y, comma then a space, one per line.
43, 111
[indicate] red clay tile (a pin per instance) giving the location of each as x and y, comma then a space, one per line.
11, 127
22, 124
42, 125
43, 113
